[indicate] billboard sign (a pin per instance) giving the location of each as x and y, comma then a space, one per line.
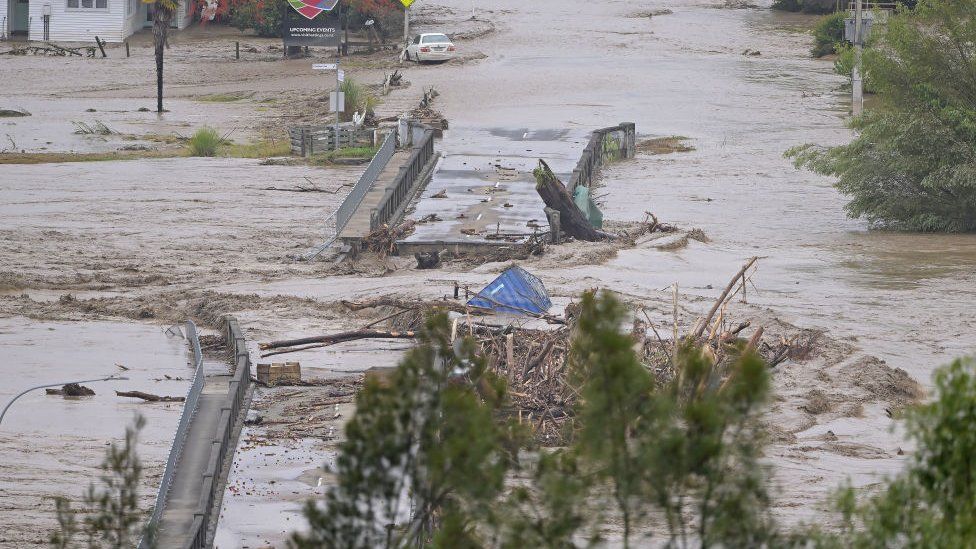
321, 31
311, 8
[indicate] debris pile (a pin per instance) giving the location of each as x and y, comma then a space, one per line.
534, 360
71, 390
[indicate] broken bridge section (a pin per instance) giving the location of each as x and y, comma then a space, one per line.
483, 190
192, 485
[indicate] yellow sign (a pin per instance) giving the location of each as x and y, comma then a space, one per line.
406, 3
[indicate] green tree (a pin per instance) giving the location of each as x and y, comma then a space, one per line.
424, 456
912, 165
690, 442
109, 514
615, 391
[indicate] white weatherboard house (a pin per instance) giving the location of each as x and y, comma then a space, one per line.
80, 20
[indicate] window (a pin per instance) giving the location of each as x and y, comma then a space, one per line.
432, 38
416, 40
87, 4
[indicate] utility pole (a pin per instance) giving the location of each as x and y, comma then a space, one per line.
857, 82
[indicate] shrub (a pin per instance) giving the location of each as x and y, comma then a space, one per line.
828, 33
264, 16
205, 142
806, 6
358, 99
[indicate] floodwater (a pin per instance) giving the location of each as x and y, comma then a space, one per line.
52, 446
903, 297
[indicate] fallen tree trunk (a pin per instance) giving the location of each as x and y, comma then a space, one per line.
554, 194
149, 397
458, 307
339, 338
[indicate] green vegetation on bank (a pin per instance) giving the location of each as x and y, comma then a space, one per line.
828, 34
911, 165
806, 6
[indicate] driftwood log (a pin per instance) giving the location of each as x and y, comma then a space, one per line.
554, 194
332, 339
149, 397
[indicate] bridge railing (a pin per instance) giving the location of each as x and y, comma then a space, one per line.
186, 418
403, 187
212, 482
337, 221
605, 145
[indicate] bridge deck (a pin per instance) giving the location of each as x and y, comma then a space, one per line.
184, 495
358, 226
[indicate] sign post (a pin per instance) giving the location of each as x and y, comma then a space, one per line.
337, 99
406, 19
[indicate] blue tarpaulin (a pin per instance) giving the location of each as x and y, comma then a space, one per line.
514, 291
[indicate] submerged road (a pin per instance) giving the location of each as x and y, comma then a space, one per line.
483, 186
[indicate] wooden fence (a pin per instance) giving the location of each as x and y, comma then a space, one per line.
309, 140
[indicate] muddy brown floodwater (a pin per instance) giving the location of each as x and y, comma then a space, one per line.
902, 297
161, 240
51, 445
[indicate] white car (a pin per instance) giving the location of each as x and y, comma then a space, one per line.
431, 47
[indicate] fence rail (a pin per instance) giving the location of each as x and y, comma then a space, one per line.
337, 221
402, 189
605, 145
186, 417
236, 394
308, 140
868, 5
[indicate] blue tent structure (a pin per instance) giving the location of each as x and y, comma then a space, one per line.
514, 291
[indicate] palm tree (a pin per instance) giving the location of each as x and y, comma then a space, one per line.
163, 11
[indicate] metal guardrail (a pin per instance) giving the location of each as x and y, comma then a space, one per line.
402, 189
211, 483
337, 221
186, 418
605, 145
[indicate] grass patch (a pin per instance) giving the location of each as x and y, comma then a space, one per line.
205, 142
228, 97
260, 149
665, 145
58, 157
327, 158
